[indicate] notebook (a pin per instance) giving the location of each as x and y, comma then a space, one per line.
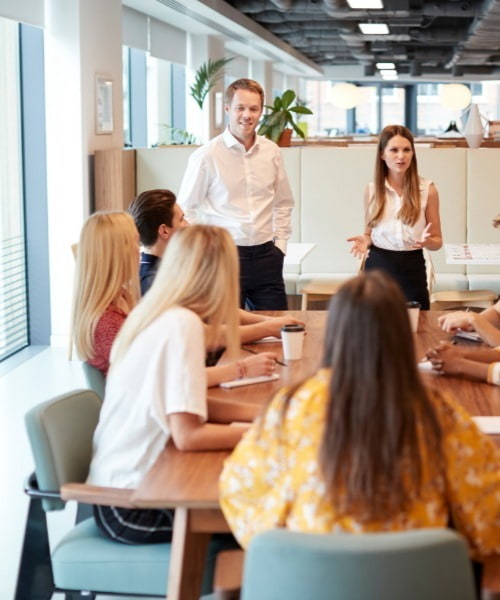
473, 336
249, 380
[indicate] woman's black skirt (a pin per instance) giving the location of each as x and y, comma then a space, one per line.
406, 267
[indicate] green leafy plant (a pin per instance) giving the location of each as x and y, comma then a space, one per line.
206, 77
281, 115
174, 136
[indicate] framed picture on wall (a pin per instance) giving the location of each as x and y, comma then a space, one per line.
103, 104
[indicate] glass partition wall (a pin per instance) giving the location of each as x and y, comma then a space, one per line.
384, 103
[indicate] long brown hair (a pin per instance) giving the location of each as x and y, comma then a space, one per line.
379, 414
410, 208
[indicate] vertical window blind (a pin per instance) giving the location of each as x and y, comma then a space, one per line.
13, 295
13, 300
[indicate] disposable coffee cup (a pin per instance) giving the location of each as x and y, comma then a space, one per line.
292, 337
413, 314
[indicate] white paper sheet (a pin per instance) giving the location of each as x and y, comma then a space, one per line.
489, 425
472, 254
249, 380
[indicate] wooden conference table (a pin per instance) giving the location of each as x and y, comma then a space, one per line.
188, 481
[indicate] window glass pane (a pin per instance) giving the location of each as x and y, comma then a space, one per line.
393, 106
367, 111
487, 96
432, 117
159, 101
166, 103
13, 300
327, 120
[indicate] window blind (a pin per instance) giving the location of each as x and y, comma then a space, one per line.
13, 300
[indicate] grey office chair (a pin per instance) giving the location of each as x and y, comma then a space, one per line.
60, 433
95, 379
426, 564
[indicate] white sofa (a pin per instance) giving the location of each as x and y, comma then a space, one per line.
328, 184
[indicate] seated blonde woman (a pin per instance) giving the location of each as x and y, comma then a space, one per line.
107, 289
157, 384
486, 323
363, 445
106, 284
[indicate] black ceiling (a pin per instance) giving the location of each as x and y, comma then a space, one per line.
458, 38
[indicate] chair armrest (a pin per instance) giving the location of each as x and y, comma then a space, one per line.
32, 490
95, 494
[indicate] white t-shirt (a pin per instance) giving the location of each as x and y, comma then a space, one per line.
391, 233
162, 372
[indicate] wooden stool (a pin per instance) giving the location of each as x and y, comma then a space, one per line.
317, 291
458, 298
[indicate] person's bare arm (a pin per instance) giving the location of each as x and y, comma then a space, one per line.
263, 363
227, 411
434, 239
448, 359
254, 327
486, 355
249, 318
361, 243
190, 434
486, 323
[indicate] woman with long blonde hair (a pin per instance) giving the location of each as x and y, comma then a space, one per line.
106, 284
401, 216
157, 384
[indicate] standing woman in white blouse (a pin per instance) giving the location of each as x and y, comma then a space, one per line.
402, 216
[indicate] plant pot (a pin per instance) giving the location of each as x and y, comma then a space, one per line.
285, 139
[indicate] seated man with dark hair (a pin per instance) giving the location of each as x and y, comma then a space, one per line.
157, 217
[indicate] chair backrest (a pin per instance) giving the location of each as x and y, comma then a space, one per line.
60, 432
410, 565
95, 379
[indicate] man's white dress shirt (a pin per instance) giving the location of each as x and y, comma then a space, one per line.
245, 191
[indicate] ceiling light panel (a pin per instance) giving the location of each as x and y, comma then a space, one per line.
367, 4
374, 28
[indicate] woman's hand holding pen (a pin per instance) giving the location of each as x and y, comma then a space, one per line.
263, 363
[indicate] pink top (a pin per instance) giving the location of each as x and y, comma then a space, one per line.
106, 331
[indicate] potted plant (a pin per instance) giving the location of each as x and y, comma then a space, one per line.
206, 77
174, 136
280, 115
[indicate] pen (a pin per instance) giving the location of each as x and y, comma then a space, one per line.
255, 352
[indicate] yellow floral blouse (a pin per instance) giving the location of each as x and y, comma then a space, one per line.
272, 479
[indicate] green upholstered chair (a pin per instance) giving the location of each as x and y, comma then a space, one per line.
60, 433
95, 379
430, 564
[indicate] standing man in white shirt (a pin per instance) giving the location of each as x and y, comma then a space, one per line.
238, 181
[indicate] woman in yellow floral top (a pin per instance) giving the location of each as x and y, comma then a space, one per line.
363, 446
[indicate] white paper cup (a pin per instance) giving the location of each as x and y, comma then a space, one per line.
413, 314
292, 337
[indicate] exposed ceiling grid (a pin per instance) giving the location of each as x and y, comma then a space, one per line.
450, 38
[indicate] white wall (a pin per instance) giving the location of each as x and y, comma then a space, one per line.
82, 38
